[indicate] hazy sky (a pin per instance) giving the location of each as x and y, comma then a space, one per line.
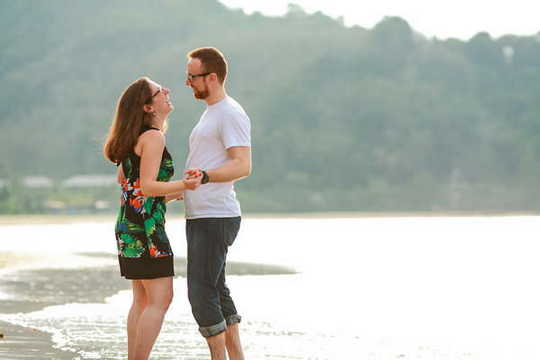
457, 18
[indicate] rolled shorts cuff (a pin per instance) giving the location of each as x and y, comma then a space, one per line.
213, 330
233, 319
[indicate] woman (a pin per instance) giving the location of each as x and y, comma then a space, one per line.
136, 143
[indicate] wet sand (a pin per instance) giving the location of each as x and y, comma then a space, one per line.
34, 289
19, 342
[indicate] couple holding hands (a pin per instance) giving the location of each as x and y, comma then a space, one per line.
219, 154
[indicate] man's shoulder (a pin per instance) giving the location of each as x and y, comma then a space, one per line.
232, 109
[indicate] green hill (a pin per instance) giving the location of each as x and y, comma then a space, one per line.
343, 118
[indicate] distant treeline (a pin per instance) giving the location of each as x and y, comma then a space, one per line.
343, 118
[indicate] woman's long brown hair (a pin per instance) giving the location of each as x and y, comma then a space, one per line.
128, 121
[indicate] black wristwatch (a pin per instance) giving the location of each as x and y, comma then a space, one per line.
205, 179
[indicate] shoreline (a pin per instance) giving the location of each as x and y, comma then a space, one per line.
34, 219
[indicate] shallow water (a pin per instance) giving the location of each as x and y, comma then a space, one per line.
370, 288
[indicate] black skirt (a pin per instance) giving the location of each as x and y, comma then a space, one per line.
146, 267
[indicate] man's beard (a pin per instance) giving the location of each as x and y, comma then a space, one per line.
202, 94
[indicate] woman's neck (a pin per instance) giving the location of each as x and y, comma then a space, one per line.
157, 122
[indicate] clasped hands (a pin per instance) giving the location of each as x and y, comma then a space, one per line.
192, 178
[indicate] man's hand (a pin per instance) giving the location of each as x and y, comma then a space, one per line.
193, 173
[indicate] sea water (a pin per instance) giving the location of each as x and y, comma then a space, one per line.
363, 288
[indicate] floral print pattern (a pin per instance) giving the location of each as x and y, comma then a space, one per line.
140, 226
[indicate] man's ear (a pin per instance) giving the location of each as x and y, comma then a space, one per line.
213, 77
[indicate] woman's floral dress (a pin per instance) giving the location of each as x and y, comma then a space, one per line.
144, 251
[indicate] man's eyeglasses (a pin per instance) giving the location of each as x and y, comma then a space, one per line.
191, 77
153, 96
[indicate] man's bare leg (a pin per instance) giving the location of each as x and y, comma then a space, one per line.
216, 344
232, 342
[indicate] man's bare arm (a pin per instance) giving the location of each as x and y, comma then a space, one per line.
237, 167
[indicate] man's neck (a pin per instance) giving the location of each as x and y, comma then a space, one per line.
217, 97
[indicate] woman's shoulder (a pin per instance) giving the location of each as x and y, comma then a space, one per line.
151, 138
152, 135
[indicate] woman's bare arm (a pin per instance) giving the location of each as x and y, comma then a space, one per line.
152, 144
175, 196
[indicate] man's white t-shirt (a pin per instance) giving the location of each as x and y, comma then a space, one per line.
223, 125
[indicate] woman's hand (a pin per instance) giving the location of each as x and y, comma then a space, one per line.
173, 197
192, 183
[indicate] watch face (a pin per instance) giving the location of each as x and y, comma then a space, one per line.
204, 178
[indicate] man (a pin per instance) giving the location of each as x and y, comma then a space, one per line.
219, 154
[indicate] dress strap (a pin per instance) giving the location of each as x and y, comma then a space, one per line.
146, 128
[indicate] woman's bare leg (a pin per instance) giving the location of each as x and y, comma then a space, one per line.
159, 293
137, 307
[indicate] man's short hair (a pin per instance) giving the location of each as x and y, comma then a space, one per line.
212, 61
